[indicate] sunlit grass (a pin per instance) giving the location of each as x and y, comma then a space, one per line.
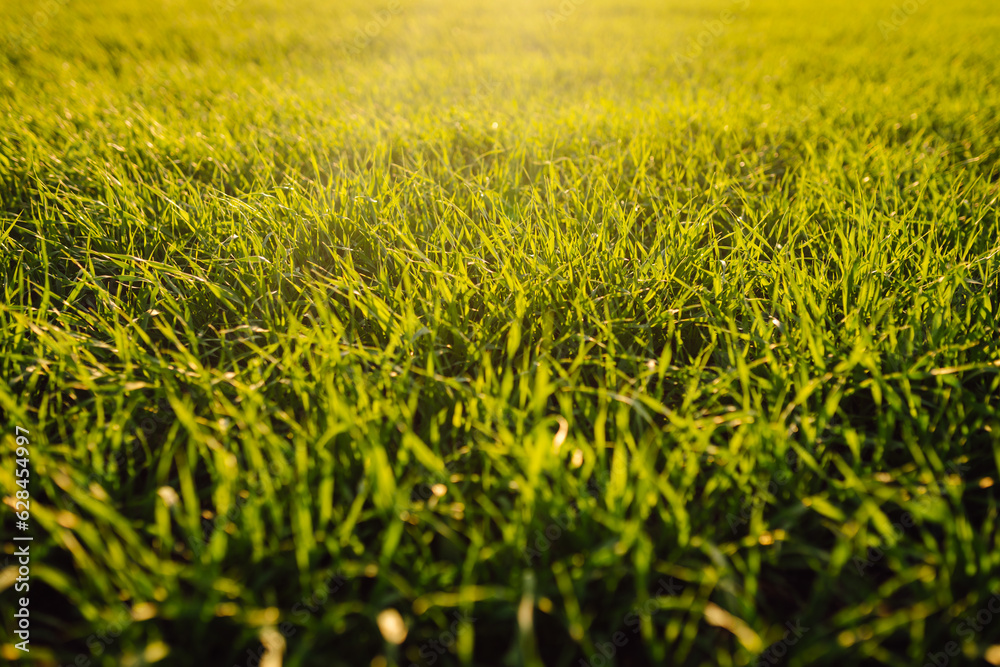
678, 320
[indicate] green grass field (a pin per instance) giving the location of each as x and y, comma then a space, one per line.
429, 332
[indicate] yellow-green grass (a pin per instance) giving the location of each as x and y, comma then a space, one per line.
643, 327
